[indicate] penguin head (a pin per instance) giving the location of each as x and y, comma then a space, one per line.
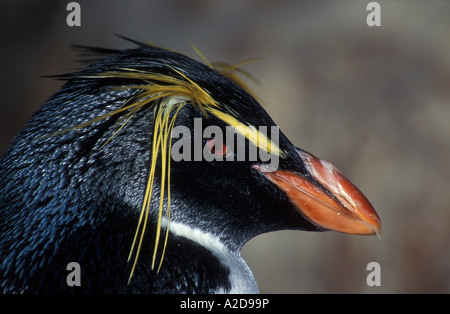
154, 137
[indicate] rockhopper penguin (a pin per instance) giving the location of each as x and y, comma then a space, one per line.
140, 169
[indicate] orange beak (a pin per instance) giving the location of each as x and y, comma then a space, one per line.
330, 200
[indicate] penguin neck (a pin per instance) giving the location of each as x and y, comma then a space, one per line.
235, 274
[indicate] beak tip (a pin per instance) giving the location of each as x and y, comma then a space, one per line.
378, 231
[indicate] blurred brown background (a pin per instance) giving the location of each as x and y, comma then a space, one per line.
373, 100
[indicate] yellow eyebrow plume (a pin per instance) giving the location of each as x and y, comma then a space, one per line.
162, 137
252, 134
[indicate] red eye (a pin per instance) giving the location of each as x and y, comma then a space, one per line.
216, 147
